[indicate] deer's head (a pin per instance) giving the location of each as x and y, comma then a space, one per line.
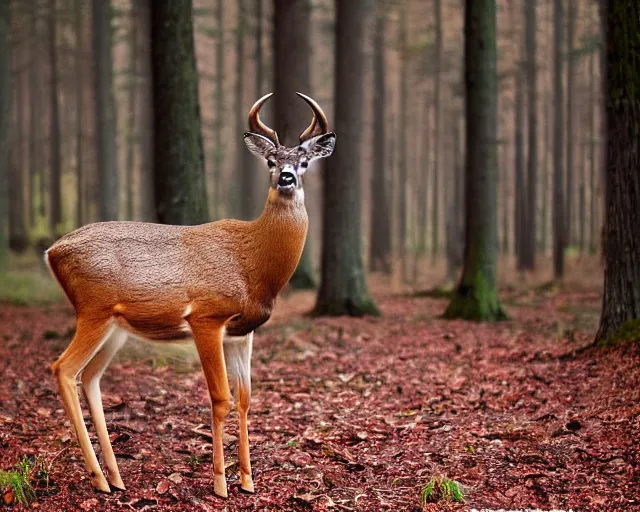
288, 165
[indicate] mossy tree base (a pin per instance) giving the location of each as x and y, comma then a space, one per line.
468, 305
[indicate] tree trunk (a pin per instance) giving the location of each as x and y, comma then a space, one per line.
55, 189
343, 289
79, 92
620, 318
36, 171
531, 84
545, 175
476, 297
291, 54
558, 144
520, 196
180, 189
454, 231
435, 192
146, 190
219, 149
403, 148
18, 239
380, 237
593, 196
132, 135
571, 73
106, 152
5, 128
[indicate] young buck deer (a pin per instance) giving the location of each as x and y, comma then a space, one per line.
214, 283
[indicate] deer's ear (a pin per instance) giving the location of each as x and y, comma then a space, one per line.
258, 144
320, 146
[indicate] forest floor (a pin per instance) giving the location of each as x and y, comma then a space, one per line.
351, 414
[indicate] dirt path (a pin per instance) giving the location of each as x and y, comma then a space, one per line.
352, 414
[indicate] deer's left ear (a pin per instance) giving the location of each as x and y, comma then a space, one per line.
320, 146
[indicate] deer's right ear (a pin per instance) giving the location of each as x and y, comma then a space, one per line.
258, 144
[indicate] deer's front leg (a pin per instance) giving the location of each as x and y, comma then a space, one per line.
207, 334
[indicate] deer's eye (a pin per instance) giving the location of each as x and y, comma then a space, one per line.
271, 164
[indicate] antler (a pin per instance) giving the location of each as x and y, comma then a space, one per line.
256, 125
319, 124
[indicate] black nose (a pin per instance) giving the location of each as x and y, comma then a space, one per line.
287, 179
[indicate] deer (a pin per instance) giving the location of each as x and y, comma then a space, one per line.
213, 283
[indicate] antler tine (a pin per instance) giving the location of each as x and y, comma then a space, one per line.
256, 125
319, 124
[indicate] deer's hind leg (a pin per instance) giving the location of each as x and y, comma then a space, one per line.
91, 385
91, 334
237, 355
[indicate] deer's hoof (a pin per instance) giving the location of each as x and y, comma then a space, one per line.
100, 483
220, 486
246, 482
115, 481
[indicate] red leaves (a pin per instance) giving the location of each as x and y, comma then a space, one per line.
353, 414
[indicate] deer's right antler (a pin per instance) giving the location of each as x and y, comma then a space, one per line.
256, 125
319, 124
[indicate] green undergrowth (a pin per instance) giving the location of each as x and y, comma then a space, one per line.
23, 288
441, 488
15, 486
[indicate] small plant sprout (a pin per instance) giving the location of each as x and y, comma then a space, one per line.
15, 486
441, 488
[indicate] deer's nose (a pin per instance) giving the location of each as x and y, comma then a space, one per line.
287, 179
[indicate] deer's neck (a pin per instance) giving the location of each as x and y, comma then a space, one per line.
279, 235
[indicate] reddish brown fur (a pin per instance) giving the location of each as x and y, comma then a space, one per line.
146, 275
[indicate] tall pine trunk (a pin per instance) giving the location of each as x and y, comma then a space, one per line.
571, 73
132, 135
343, 289
435, 192
558, 143
593, 196
476, 297
531, 83
291, 54
106, 152
620, 318
380, 234
146, 190
219, 119
5, 129
55, 140
519, 164
79, 92
403, 144
18, 240
180, 189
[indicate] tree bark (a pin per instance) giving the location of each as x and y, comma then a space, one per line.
403, 149
531, 84
380, 237
180, 189
5, 129
132, 132
476, 297
620, 320
343, 289
435, 192
55, 140
558, 144
146, 191
106, 152
218, 147
519, 163
79, 92
570, 231
291, 54
18, 239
